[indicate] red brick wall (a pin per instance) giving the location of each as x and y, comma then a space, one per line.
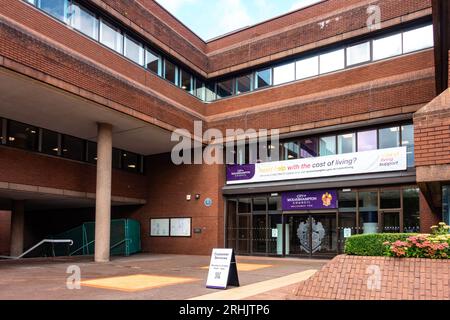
38, 170
168, 187
5, 228
428, 218
347, 278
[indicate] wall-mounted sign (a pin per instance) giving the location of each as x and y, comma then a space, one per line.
159, 227
384, 160
208, 202
309, 200
222, 270
180, 227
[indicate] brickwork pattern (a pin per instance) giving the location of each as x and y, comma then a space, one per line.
347, 278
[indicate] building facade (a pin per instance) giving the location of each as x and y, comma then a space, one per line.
92, 91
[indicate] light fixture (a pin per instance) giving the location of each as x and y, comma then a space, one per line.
132, 166
272, 147
33, 131
55, 149
197, 196
405, 142
11, 138
290, 156
395, 129
184, 87
348, 136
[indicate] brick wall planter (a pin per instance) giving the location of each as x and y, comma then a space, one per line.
378, 278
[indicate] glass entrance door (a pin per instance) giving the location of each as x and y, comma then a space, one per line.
312, 235
390, 222
244, 231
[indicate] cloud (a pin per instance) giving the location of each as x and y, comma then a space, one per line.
303, 3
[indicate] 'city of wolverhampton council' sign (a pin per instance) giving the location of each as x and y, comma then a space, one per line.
384, 160
309, 200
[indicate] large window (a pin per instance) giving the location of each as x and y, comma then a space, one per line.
347, 143
389, 137
210, 92
358, 53
56, 8
418, 39
289, 150
327, 146
307, 68
186, 81
199, 90
111, 37
130, 161
263, 78
50, 142
408, 141
73, 148
22, 135
153, 62
387, 47
367, 140
284, 73
225, 89
332, 61
134, 50
170, 72
244, 84
84, 21
309, 148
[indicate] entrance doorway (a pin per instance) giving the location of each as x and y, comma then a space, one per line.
311, 234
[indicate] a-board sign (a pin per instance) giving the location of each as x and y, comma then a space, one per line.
222, 270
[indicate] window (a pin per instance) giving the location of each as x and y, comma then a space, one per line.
389, 137
411, 210
22, 135
210, 92
307, 68
73, 148
289, 150
55, 8
332, 61
130, 161
170, 72
387, 47
84, 21
327, 146
116, 158
346, 143
309, 148
418, 39
153, 62
50, 142
199, 91
244, 84
91, 151
2, 131
367, 140
244, 206
358, 53
134, 51
408, 141
284, 73
263, 78
186, 81
225, 88
390, 199
111, 37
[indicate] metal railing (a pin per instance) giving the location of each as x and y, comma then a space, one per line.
68, 241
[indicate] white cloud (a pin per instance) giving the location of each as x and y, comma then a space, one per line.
303, 3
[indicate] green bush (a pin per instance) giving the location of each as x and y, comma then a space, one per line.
372, 244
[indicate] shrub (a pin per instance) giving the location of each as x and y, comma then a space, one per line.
372, 244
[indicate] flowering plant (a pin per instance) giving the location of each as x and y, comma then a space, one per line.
432, 246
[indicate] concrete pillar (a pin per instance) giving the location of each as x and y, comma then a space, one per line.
17, 228
103, 193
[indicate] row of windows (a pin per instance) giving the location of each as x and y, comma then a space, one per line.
344, 57
99, 29
346, 142
24, 136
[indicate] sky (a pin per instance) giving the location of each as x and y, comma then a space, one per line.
212, 18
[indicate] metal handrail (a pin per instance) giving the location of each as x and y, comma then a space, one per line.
88, 244
70, 242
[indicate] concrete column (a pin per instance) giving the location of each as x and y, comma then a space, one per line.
17, 228
103, 193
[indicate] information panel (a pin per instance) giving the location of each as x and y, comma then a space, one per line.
159, 227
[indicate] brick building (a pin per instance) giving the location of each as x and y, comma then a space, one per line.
92, 91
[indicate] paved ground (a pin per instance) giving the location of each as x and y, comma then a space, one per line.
162, 277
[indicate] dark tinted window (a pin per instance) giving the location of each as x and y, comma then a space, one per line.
91, 150
244, 84
225, 88
130, 161
116, 158
22, 135
73, 148
50, 142
170, 72
186, 81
